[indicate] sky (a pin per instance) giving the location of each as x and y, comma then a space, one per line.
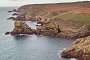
24, 2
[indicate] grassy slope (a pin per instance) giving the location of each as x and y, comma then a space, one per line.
84, 19
54, 11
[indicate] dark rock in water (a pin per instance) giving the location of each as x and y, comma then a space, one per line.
13, 18
15, 14
19, 33
11, 33
19, 18
14, 10
9, 11
7, 33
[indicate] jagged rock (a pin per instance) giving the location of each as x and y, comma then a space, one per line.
80, 49
21, 27
82, 32
13, 18
70, 34
49, 29
42, 20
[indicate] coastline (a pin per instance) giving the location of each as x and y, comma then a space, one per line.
57, 28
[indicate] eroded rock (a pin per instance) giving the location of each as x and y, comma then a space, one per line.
20, 27
80, 49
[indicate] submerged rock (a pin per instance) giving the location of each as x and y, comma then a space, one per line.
80, 49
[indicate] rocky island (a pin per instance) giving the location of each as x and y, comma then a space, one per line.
64, 20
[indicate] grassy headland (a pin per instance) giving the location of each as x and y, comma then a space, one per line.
68, 20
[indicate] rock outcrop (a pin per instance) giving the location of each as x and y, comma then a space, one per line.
48, 28
78, 33
82, 32
80, 49
61, 28
21, 27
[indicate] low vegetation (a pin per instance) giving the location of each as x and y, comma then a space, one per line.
84, 19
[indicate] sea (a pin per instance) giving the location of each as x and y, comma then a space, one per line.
28, 47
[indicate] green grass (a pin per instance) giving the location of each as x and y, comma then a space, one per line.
70, 16
74, 17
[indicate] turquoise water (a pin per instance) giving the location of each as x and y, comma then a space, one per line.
30, 47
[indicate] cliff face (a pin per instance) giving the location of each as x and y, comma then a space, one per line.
63, 29
80, 49
68, 18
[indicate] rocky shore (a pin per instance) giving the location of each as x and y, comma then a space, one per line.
56, 28
21, 17
80, 49
63, 29
49, 23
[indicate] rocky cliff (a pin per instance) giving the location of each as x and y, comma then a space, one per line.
80, 49
66, 20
